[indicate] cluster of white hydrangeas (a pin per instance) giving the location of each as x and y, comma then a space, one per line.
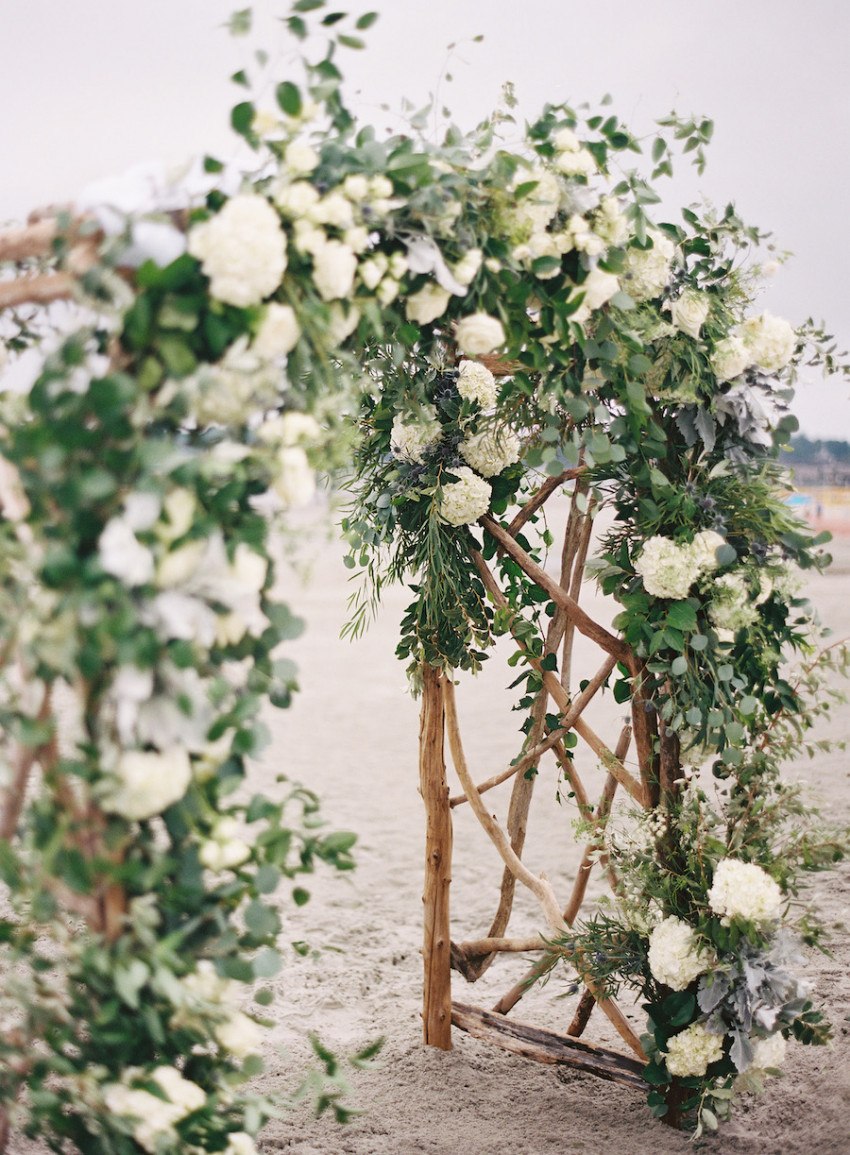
743, 890
475, 382
689, 312
154, 1118
224, 850
242, 249
668, 570
278, 332
692, 1051
647, 271
732, 606
765, 341
491, 450
479, 333
704, 548
410, 439
571, 157
462, 502
676, 956
770, 340
146, 782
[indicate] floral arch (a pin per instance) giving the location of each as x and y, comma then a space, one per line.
503, 325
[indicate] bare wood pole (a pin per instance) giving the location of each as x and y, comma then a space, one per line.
582, 1016
436, 945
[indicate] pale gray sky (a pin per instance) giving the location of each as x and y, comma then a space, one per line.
90, 87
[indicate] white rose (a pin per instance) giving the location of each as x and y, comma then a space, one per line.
371, 271
296, 199
479, 333
123, 556
148, 783
183, 1093
239, 1035
598, 288
242, 250
462, 502
334, 267
730, 358
770, 340
217, 855
388, 290
278, 332
300, 158
428, 304
688, 312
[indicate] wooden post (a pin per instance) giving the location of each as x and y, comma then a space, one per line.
436, 946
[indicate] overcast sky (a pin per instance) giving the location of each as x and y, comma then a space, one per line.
90, 87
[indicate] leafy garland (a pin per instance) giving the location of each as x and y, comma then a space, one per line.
232, 332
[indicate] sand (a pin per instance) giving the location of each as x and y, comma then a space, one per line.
352, 737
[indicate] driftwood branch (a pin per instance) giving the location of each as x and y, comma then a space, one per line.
583, 622
547, 1047
542, 496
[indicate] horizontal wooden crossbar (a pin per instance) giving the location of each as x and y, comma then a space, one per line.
547, 1047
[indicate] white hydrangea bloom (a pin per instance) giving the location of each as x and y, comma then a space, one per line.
242, 249
475, 382
278, 332
704, 548
598, 288
730, 358
744, 890
239, 1035
769, 1052
691, 1052
491, 450
676, 956
668, 570
300, 158
427, 304
410, 439
479, 333
689, 312
463, 501
579, 163
334, 210
770, 340
533, 212
240, 1143
334, 266
123, 555
732, 606
295, 200
565, 140
648, 270
148, 782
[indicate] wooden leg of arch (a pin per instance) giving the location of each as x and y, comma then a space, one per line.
436, 946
